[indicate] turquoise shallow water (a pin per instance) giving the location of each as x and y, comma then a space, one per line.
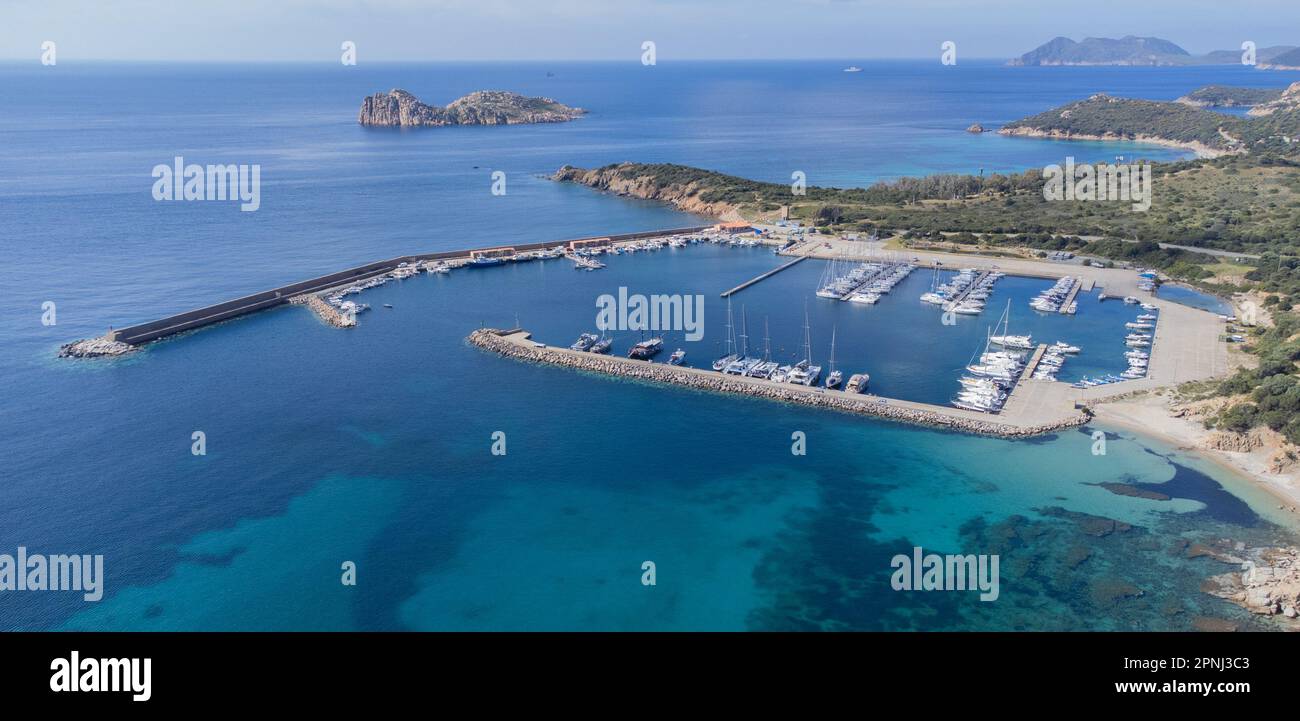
372, 445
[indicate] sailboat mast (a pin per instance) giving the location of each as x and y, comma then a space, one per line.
730, 331
807, 336
832, 364
767, 342
744, 332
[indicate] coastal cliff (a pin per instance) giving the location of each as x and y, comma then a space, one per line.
691, 194
398, 108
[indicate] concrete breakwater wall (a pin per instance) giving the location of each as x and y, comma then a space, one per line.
142, 333
515, 344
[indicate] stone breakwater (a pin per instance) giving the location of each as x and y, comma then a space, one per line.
94, 348
325, 311
496, 341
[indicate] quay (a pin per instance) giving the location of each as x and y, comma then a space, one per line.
1031, 419
732, 291
120, 341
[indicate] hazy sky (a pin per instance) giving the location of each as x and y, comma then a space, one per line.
312, 30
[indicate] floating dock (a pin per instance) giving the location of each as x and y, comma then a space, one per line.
732, 291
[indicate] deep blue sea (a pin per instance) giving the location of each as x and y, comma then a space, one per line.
372, 445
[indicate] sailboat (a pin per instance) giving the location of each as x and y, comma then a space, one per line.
1006, 339
730, 357
836, 377
804, 372
742, 364
766, 367
934, 296
602, 345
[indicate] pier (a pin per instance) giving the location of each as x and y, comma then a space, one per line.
1074, 292
1032, 365
1044, 415
969, 289
869, 280
732, 291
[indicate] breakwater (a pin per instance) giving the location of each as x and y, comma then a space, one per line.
325, 311
123, 340
516, 344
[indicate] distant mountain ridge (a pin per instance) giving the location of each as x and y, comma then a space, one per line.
1289, 60
1134, 50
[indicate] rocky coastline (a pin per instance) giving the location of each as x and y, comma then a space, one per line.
398, 108
686, 197
1201, 149
494, 340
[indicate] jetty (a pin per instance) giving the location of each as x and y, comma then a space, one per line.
1074, 293
1033, 419
884, 268
969, 289
764, 276
1032, 365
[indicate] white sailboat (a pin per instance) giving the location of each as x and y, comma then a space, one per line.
731, 356
836, 377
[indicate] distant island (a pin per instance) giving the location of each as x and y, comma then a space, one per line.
1145, 51
398, 108
1284, 61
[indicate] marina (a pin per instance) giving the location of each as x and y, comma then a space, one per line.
1010, 365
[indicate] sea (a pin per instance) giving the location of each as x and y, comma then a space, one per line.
391, 476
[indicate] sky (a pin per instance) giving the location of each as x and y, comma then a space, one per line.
433, 30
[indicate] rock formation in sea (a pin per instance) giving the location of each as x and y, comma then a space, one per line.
398, 108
